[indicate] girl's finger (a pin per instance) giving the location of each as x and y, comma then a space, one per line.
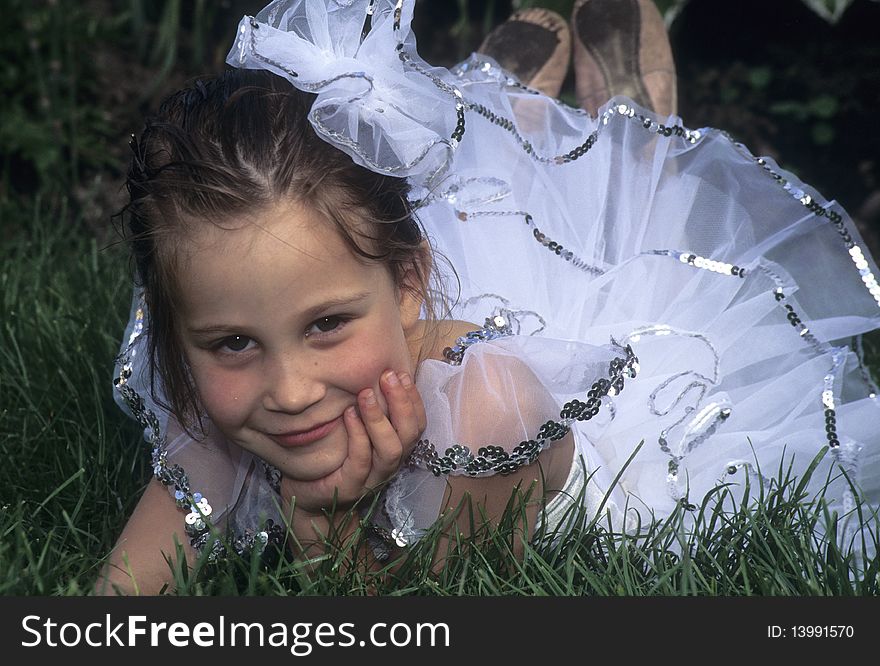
407, 414
356, 467
386, 450
416, 400
400, 407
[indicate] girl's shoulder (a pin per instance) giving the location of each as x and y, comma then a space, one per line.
482, 392
443, 335
485, 386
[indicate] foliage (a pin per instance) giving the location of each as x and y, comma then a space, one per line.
49, 131
72, 467
66, 85
830, 10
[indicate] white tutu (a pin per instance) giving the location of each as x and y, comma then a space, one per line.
739, 289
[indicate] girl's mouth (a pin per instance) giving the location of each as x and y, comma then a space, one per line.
306, 436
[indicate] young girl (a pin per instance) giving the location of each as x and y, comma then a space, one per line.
645, 311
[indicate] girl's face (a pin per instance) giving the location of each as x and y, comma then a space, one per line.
282, 327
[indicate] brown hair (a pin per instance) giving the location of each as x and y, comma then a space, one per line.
233, 144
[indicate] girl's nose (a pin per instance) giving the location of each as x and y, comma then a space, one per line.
292, 388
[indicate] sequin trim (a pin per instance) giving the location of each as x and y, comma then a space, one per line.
249, 43
845, 454
398, 12
700, 426
495, 460
626, 111
552, 245
510, 126
721, 413
494, 328
836, 219
704, 262
476, 62
513, 317
458, 132
197, 522
837, 359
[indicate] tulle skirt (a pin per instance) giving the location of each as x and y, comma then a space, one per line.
742, 291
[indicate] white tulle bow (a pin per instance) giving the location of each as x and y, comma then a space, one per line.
376, 99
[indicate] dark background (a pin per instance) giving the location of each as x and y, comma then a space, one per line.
77, 78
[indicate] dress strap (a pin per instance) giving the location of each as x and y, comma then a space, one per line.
494, 328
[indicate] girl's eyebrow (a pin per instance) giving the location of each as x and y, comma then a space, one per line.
339, 301
312, 313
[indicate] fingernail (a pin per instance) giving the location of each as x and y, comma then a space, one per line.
369, 397
405, 379
391, 378
350, 412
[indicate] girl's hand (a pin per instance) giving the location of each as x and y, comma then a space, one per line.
377, 444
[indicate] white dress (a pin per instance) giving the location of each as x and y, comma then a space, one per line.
692, 296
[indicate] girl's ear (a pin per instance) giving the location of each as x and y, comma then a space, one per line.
414, 286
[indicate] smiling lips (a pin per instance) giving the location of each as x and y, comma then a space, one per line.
304, 437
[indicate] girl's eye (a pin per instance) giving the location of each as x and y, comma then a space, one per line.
325, 325
235, 343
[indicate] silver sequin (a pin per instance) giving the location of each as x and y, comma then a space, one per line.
494, 459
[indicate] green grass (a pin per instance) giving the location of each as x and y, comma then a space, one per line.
74, 467
766, 547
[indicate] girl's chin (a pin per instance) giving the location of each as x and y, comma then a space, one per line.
300, 469
296, 464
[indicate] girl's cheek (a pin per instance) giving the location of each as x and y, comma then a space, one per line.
224, 395
365, 360
360, 372
365, 370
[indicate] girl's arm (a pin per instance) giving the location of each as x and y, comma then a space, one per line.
138, 563
500, 401
472, 503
